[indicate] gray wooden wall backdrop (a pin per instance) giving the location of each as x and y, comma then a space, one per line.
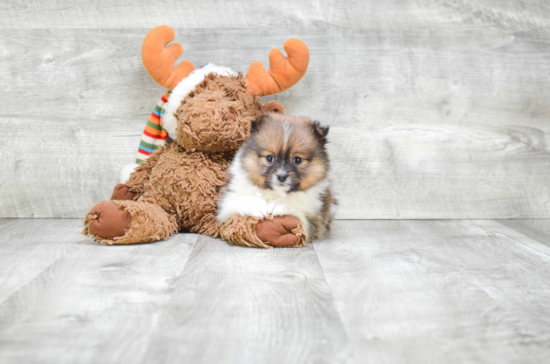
438, 109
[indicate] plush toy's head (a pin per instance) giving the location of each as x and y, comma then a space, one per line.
211, 108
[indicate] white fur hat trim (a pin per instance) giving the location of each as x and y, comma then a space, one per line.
127, 171
188, 84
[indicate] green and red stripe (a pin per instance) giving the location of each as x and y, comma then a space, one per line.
154, 136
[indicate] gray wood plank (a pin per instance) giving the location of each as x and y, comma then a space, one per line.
389, 173
445, 171
440, 122
243, 305
520, 15
438, 291
537, 229
531, 238
375, 291
93, 304
28, 247
514, 271
65, 177
426, 76
4, 221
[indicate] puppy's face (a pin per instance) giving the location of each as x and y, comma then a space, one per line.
286, 153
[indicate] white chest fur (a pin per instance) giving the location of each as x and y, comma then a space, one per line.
244, 198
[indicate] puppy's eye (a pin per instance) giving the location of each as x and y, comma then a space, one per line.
270, 159
297, 160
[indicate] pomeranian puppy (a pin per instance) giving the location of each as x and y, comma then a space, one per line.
281, 170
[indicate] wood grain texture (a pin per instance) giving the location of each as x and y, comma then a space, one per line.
439, 291
501, 230
386, 291
438, 109
66, 299
245, 305
522, 15
4, 221
537, 229
70, 165
25, 254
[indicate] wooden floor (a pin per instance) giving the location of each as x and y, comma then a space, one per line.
379, 291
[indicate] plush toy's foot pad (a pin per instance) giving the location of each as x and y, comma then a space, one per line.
241, 230
281, 231
121, 192
108, 220
128, 222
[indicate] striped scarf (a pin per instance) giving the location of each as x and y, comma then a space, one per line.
154, 135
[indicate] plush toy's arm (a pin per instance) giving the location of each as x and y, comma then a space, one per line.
279, 231
240, 230
140, 175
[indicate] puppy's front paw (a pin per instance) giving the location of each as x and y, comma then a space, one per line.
276, 208
254, 206
243, 205
281, 231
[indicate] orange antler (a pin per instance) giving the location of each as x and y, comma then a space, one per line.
159, 59
283, 72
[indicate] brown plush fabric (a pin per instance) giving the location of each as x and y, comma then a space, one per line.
187, 185
216, 116
140, 176
240, 230
121, 192
274, 106
179, 185
128, 222
281, 231
108, 220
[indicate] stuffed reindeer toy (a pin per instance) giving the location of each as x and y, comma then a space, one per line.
207, 115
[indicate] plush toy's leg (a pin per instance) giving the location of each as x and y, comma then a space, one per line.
139, 178
128, 222
134, 187
121, 192
280, 231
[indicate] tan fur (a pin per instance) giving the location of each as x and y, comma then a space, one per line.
186, 185
301, 142
278, 135
216, 116
253, 165
240, 230
149, 223
320, 224
179, 184
140, 177
317, 171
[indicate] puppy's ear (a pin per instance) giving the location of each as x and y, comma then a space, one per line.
321, 131
257, 124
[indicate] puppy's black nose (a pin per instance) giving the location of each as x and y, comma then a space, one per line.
282, 177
